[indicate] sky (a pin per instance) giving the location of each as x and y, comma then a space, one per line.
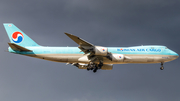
109, 23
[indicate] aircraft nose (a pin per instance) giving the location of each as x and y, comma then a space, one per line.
175, 55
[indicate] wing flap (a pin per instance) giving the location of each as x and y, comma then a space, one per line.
18, 48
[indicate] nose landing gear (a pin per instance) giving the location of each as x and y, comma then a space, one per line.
161, 68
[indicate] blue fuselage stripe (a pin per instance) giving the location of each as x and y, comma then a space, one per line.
151, 50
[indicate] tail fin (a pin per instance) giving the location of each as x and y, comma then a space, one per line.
17, 36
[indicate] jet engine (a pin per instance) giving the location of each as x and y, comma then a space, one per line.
98, 50
117, 57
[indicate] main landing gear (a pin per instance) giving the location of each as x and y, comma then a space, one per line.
161, 68
94, 67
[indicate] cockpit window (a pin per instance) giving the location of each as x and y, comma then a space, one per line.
166, 48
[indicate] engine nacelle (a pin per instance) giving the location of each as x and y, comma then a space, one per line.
98, 50
117, 57
107, 67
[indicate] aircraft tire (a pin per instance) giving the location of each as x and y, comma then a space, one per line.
161, 68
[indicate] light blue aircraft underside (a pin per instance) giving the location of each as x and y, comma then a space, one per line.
86, 55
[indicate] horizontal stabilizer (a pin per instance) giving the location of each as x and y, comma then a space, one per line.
18, 48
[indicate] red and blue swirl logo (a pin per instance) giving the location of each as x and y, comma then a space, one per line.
17, 37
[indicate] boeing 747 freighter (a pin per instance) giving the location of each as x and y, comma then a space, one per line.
86, 55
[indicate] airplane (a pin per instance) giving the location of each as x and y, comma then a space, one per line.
86, 55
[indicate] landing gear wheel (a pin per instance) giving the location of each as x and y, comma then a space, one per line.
94, 70
161, 68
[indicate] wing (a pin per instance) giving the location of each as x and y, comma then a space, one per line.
85, 46
78, 40
95, 57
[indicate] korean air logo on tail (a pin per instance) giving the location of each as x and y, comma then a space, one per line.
17, 37
103, 49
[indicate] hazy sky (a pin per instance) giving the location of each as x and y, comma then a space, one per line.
100, 22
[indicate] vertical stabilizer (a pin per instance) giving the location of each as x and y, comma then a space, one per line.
17, 36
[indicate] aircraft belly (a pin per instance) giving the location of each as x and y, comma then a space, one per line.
147, 58
58, 57
132, 58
